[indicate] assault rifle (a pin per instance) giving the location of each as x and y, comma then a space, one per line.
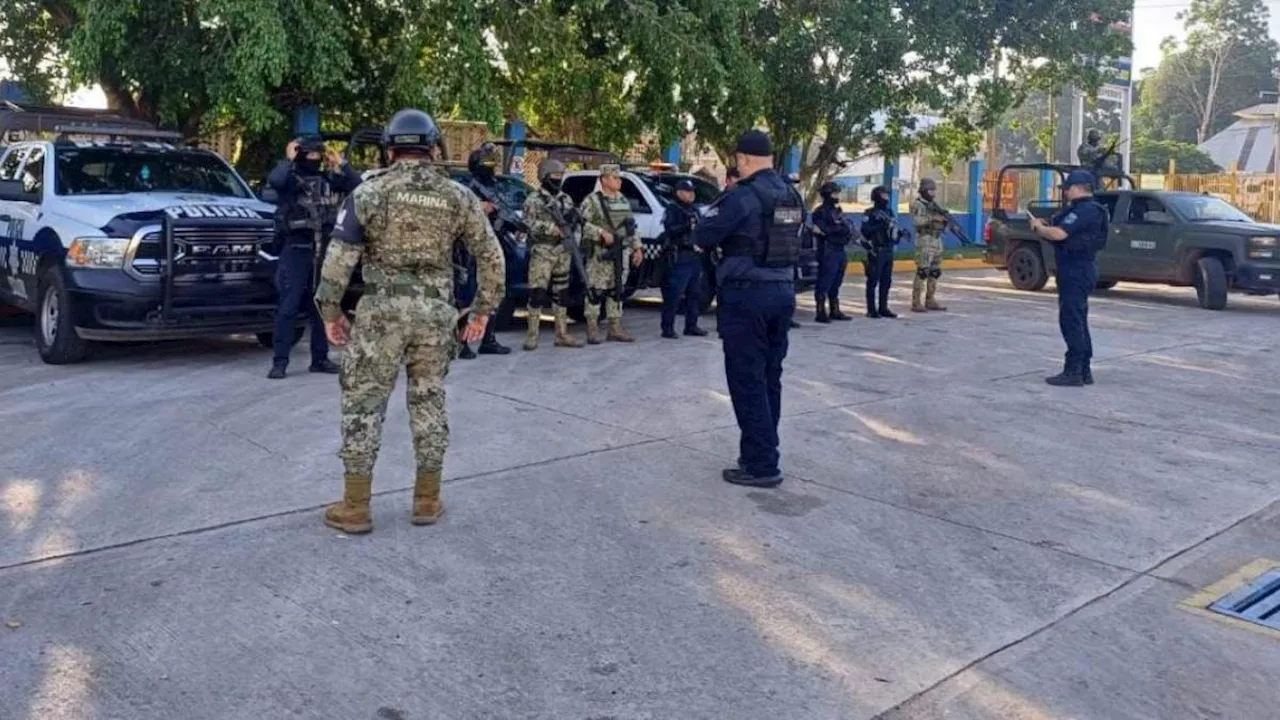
618, 254
317, 214
505, 219
951, 223
570, 224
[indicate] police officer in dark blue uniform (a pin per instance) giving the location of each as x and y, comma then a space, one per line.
834, 233
880, 233
484, 184
310, 180
756, 225
685, 277
1077, 232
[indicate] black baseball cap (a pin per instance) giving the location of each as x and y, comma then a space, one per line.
755, 143
685, 184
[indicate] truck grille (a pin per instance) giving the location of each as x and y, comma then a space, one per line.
227, 252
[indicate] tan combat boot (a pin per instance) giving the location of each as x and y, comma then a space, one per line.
563, 338
593, 328
352, 514
531, 335
617, 334
427, 507
917, 289
929, 301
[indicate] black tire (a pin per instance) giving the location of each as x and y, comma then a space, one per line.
1026, 269
1211, 283
56, 337
268, 339
1105, 284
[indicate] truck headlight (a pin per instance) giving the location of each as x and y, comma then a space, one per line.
97, 252
1262, 241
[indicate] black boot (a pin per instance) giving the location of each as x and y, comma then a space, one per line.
670, 334
490, 345
1071, 376
326, 366
885, 312
871, 302
821, 315
1087, 375
835, 311
695, 331
794, 324
466, 353
277, 372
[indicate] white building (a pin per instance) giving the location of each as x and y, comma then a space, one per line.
1248, 145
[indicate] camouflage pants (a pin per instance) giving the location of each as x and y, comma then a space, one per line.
600, 285
928, 264
549, 266
390, 332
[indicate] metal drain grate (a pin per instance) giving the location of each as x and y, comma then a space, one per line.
1258, 602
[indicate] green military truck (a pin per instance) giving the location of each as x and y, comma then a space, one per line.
1171, 238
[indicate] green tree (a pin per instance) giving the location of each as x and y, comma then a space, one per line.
1225, 61
1153, 156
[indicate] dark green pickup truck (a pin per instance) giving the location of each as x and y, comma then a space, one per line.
1172, 238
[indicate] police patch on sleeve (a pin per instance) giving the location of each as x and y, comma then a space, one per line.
1070, 219
346, 226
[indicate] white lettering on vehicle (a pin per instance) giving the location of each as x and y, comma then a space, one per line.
178, 212
1142, 244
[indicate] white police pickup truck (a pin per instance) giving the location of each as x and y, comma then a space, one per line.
131, 238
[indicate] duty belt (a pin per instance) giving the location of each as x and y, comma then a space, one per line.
380, 283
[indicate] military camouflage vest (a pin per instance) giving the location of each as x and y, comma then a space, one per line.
619, 209
410, 214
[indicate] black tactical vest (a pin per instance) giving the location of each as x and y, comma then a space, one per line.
778, 245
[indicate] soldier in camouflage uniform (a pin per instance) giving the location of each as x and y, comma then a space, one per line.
550, 262
403, 224
930, 221
607, 209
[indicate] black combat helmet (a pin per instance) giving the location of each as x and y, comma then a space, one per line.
412, 128
829, 190
1094, 136
482, 162
880, 196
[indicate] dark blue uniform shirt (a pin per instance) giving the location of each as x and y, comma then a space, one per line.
739, 214
1086, 222
833, 224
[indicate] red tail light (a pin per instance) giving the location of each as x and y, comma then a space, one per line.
986, 234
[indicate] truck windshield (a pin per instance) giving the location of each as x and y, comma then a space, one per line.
1203, 208
663, 186
120, 170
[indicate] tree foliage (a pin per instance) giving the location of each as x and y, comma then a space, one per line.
833, 75
1221, 67
1153, 156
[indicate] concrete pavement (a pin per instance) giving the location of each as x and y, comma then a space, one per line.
956, 539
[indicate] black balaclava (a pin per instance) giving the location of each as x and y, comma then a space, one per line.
880, 197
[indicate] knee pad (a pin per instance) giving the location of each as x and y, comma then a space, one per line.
922, 273
565, 297
595, 296
539, 298
935, 273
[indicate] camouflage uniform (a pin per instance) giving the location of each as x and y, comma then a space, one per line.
929, 223
403, 223
550, 264
600, 277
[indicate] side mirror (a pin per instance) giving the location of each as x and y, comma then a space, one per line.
12, 191
268, 194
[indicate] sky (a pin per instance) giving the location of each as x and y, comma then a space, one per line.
1154, 20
